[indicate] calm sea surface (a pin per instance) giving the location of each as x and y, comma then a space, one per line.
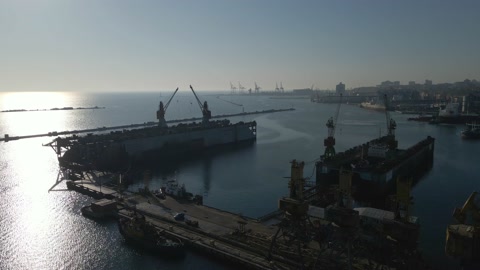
45, 230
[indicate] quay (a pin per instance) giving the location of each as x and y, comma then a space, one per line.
274, 241
132, 126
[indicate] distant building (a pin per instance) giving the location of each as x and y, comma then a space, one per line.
340, 89
389, 84
428, 82
411, 83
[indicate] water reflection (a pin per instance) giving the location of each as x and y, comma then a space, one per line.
31, 122
207, 167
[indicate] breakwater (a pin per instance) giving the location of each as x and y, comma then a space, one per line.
146, 124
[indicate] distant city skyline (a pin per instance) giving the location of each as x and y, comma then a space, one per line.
120, 45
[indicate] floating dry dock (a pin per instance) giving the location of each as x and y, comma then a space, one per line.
376, 163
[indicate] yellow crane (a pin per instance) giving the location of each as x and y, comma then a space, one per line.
463, 239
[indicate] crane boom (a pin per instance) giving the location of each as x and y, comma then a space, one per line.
162, 109
469, 208
168, 102
336, 115
205, 111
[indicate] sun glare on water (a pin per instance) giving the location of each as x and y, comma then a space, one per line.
32, 100
20, 116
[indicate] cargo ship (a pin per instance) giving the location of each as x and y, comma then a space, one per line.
118, 149
450, 114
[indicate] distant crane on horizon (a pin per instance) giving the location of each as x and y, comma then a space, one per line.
233, 88
240, 88
257, 88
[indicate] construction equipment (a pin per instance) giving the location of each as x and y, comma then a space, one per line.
293, 229
463, 240
162, 110
207, 114
329, 142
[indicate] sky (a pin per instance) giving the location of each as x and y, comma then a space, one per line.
143, 45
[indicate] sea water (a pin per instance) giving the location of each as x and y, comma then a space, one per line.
45, 230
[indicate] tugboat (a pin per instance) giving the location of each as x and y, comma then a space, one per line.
139, 232
472, 131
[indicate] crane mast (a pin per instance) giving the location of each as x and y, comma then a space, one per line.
329, 142
391, 126
205, 111
162, 110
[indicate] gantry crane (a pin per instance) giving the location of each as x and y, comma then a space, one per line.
205, 111
329, 142
162, 110
391, 126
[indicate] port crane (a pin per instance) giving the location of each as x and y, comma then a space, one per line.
257, 88
463, 239
329, 142
233, 88
391, 126
207, 114
162, 110
241, 88
470, 212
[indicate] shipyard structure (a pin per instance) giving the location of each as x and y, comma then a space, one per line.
374, 165
119, 149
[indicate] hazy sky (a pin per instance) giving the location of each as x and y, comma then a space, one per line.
118, 45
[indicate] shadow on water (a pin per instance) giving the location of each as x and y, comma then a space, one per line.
167, 168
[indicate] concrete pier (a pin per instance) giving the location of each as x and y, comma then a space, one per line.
236, 239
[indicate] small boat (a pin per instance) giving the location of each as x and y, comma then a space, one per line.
101, 209
139, 232
472, 131
173, 188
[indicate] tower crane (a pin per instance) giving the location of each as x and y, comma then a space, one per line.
162, 109
329, 142
205, 111
391, 126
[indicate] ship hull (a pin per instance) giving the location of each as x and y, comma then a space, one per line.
459, 119
121, 149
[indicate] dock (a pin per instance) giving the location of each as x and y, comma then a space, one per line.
230, 237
